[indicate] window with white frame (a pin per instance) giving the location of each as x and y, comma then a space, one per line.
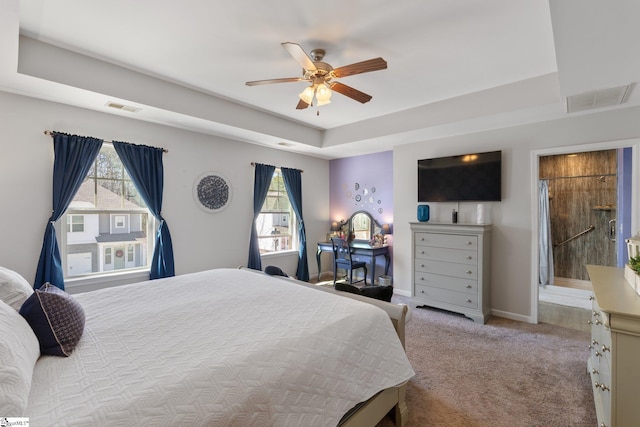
119, 221
107, 255
106, 216
276, 223
75, 223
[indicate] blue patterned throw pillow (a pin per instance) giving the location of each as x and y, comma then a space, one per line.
56, 318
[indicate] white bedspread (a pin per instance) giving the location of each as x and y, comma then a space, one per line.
224, 347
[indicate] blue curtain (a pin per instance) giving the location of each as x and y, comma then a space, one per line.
545, 251
261, 182
74, 156
144, 166
293, 184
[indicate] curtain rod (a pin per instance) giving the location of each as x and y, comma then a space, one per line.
50, 133
253, 164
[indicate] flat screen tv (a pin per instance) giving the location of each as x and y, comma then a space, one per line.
469, 177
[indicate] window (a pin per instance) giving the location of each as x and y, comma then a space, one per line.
130, 252
276, 221
107, 256
107, 215
119, 220
75, 223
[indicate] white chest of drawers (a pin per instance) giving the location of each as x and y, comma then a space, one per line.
614, 358
451, 267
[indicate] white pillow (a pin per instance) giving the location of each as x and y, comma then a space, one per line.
19, 351
14, 289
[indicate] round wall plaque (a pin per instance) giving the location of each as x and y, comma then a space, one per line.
212, 191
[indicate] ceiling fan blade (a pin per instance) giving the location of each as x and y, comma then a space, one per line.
269, 81
301, 105
360, 67
351, 92
299, 55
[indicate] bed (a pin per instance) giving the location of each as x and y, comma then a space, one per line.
228, 347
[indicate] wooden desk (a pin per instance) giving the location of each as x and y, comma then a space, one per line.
365, 249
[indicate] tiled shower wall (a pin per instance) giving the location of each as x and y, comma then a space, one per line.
582, 192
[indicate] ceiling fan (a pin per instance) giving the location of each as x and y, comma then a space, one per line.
321, 76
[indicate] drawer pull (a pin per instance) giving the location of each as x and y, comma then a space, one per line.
598, 354
469, 301
591, 297
469, 272
590, 347
469, 243
604, 387
589, 322
596, 314
422, 278
594, 342
598, 322
594, 371
422, 292
605, 348
469, 286
469, 257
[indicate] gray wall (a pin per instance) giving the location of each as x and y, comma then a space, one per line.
201, 240
513, 231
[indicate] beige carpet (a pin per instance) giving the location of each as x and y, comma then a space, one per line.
503, 373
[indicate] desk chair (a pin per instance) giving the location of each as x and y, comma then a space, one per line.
342, 259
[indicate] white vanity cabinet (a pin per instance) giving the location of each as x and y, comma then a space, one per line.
614, 357
451, 267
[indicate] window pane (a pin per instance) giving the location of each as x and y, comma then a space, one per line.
276, 220
107, 222
108, 164
131, 194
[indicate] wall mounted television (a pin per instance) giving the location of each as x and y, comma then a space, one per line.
475, 177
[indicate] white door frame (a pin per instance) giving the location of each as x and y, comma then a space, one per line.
535, 200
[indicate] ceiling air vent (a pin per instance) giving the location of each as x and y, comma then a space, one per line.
122, 107
597, 99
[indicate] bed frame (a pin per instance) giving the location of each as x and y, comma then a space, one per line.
372, 411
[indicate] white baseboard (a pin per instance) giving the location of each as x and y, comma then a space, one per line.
512, 316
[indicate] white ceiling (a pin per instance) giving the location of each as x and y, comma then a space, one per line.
453, 66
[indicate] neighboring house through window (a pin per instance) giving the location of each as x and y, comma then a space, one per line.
107, 222
276, 223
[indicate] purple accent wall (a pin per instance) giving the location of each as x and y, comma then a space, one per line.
363, 183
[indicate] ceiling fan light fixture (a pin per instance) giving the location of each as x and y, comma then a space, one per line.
323, 94
307, 94
320, 75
